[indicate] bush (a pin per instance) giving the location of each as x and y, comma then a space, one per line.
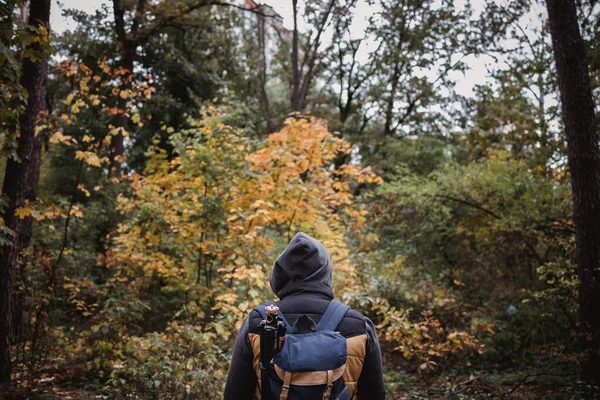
181, 363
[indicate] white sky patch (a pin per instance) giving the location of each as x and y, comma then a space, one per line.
59, 24
477, 74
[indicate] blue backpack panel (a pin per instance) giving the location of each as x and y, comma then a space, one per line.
312, 360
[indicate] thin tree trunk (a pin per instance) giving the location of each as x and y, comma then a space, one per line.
21, 181
128, 53
295, 68
304, 74
584, 163
389, 111
23, 19
117, 147
262, 73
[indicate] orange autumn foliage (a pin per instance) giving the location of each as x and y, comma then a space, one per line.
210, 221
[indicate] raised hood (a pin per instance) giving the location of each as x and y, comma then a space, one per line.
304, 266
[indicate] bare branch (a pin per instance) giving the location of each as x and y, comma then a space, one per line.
468, 203
167, 21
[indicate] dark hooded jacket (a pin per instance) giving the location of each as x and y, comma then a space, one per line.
302, 279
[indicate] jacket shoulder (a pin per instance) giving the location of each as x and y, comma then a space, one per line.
254, 319
353, 324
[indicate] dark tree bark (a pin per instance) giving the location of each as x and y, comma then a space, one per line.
295, 69
128, 52
21, 181
584, 163
304, 73
348, 71
389, 110
262, 73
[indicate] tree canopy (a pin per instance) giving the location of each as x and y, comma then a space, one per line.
157, 158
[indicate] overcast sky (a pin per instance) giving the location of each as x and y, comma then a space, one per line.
465, 83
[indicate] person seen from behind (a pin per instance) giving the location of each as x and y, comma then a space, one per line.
312, 345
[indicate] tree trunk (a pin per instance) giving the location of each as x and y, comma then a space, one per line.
262, 73
303, 75
296, 106
117, 147
22, 19
21, 181
389, 111
584, 163
128, 43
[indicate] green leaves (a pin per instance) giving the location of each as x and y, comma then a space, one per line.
490, 233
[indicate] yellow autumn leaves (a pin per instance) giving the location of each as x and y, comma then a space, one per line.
28, 209
211, 218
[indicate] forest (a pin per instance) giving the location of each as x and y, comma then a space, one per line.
157, 156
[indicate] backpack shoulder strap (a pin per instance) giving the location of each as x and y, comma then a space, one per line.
263, 313
335, 312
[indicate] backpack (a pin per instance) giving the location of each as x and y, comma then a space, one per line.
312, 360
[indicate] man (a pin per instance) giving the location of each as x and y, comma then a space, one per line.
302, 279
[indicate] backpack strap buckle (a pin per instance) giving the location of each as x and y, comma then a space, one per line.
327, 392
286, 386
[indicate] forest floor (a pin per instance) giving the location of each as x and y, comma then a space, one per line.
401, 386
490, 385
